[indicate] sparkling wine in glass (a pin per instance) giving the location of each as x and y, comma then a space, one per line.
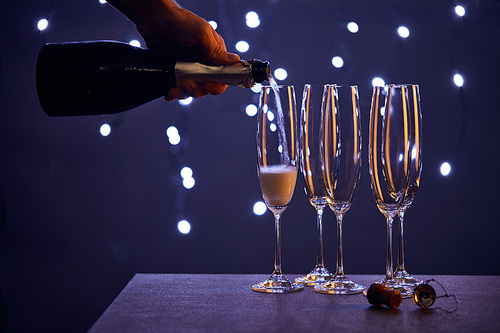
340, 151
310, 165
277, 155
389, 160
401, 275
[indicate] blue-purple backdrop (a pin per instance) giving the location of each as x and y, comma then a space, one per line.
82, 213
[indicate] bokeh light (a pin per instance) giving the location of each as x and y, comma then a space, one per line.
184, 227
259, 208
242, 46
460, 10
403, 31
378, 82
173, 135
186, 101
42, 24
213, 24
445, 169
353, 27
252, 19
186, 172
135, 42
458, 79
105, 129
251, 110
337, 62
280, 74
256, 88
188, 182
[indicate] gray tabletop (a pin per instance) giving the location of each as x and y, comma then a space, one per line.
226, 303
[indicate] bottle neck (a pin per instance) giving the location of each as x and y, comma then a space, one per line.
237, 74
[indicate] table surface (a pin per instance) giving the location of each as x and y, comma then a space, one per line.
226, 303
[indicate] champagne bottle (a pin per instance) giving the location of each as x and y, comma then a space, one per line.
105, 77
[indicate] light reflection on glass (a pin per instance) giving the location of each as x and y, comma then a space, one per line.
270, 115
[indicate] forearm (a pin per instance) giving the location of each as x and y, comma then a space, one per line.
139, 11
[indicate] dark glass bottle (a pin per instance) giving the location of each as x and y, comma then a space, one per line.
104, 77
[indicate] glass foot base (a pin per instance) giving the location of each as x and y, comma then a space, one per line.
278, 284
406, 280
317, 275
340, 285
392, 284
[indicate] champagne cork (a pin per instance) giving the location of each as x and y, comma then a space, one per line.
379, 295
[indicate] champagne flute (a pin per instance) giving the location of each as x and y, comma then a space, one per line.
310, 164
401, 275
341, 162
389, 160
277, 155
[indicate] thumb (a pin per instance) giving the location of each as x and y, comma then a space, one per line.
217, 51
219, 56
232, 57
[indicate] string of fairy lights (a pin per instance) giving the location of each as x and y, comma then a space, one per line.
175, 134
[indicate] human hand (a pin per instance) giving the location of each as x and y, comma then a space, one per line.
182, 35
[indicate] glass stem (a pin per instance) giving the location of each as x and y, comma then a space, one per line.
389, 263
319, 219
277, 249
401, 251
340, 255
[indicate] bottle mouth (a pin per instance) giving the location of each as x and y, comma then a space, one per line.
260, 69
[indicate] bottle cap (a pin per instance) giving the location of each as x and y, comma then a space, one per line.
424, 295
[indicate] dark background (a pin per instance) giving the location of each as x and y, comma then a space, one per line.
82, 213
